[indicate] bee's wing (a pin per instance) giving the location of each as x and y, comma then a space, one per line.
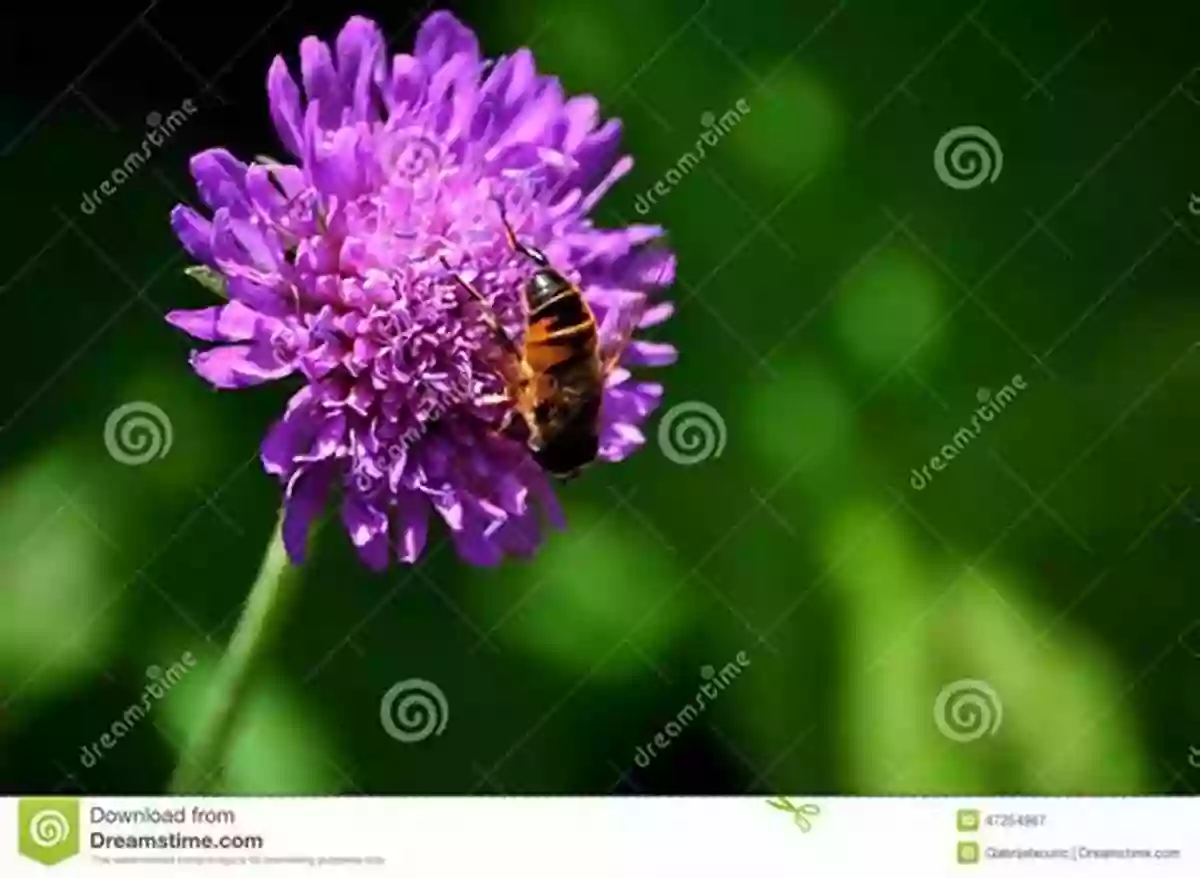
617, 332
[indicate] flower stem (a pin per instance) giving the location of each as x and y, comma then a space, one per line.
204, 759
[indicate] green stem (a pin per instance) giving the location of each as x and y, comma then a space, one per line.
202, 762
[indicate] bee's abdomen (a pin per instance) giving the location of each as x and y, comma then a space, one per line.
567, 311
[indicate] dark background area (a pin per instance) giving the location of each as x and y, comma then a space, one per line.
841, 309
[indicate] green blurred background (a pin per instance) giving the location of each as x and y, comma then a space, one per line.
840, 310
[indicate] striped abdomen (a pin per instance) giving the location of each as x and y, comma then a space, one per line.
562, 331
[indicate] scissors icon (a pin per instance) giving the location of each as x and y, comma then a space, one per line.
800, 813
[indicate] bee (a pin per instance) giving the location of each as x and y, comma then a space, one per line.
555, 377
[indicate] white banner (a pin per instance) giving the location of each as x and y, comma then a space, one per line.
604, 837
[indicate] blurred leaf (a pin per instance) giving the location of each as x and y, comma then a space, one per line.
56, 623
278, 746
891, 743
1063, 719
888, 308
794, 131
803, 418
586, 592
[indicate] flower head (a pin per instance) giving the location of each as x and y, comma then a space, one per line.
332, 265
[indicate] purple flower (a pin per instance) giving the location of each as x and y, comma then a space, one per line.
331, 265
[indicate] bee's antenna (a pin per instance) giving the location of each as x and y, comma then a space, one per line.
535, 255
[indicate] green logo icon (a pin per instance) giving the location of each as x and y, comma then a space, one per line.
968, 821
968, 853
48, 829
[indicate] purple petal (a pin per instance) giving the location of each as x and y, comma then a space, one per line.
405, 83
194, 232
619, 170
441, 37
320, 82
232, 322
619, 441
656, 314
219, 177
283, 96
361, 63
303, 501
368, 529
292, 435
412, 526
650, 353
232, 367
475, 539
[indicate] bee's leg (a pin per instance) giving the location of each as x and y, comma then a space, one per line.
489, 316
515, 243
510, 413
